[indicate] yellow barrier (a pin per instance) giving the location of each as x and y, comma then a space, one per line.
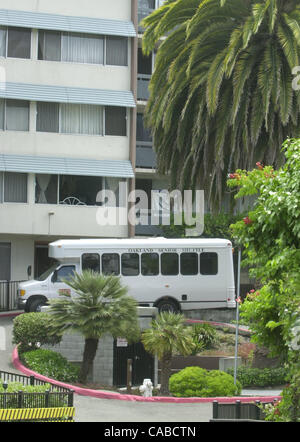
58, 414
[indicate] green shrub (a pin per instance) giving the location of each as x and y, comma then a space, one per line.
260, 377
31, 330
51, 364
198, 382
204, 336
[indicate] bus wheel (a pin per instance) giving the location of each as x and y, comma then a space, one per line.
37, 304
168, 305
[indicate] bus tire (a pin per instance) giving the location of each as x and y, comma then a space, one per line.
168, 305
36, 304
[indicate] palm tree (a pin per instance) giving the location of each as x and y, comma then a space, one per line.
167, 336
100, 306
221, 95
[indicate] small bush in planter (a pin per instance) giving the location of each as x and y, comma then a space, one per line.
198, 382
31, 330
51, 364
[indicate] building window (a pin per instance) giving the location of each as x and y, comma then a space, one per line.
117, 51
115, 121
79, 190
46, 189
76, 47
16, 115
81, 119
208, 263
47, 117
15, 42
70, 118
82, 48
13, 187
76, 190
49, 47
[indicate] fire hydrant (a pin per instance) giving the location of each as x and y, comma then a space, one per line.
146, 388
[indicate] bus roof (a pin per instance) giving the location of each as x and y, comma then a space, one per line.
74, 248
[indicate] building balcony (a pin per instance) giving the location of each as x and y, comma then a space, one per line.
145, 155
61, 220
143, 81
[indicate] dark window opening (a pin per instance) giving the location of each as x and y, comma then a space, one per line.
169, 264
110, 263
209, 263
91, 261
189, 263
130, 264
150, 264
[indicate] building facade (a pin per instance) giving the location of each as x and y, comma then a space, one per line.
67, 123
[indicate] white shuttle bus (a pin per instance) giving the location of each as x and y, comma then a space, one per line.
170, 274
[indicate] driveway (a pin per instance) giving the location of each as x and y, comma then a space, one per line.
89, 409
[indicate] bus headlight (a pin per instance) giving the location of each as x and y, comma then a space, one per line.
22, 292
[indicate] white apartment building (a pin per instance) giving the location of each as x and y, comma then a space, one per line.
67, 123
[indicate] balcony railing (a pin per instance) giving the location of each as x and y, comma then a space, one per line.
145, 155
8, 295
143, 86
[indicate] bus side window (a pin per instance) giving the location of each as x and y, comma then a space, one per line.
91, 261
150, 264
189, 263
111, 263
130, 264
208, 263
169, 264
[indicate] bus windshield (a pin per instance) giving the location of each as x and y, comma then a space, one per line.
48, 272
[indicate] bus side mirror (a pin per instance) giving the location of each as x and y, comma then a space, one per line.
29, 269
54, 276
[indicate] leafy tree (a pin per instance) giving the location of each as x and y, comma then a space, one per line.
100, 306
167, 335
215, 226
270, 236
221, 95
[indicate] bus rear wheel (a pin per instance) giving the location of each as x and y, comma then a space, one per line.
168, 305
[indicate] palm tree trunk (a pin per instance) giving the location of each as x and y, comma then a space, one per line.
89, 353
165, 374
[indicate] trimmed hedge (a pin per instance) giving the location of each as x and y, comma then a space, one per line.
51, 364
260, 377
198, 382
32, 330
